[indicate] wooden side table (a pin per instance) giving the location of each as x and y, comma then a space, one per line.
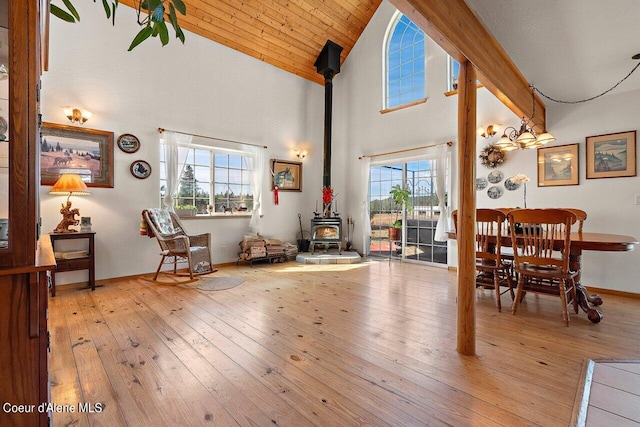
75, 264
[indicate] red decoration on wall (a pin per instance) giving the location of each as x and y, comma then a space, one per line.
327, 195
276, 199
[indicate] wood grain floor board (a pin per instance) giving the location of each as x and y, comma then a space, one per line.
64, 371
158, 351
371, 378
233, 375
336, 371
375, 340
286, 380
305, 295
381, 337
290, 365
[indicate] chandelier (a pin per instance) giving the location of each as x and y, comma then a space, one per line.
525, 137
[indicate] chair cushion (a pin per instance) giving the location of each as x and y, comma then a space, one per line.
162, 221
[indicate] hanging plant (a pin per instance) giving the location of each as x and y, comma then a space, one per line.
492, 156
153, 16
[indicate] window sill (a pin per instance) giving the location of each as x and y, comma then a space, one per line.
218, 216
455, 92
403, 106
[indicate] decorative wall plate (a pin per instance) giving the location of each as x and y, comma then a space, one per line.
495, 177
481, 183
128, 143
3, 126
140, 169
494, 192
511, 185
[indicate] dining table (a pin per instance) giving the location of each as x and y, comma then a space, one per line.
586, 241
594, 242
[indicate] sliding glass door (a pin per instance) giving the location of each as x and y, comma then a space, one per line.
418, 220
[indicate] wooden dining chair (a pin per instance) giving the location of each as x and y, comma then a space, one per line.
507, 251
492, 271
581, 217
541, 248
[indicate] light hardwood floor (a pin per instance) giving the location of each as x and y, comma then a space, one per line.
339, 345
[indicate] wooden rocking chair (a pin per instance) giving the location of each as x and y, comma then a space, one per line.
176, 246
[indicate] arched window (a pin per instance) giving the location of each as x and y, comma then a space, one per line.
405, 63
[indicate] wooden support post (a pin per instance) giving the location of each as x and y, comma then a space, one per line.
466, 209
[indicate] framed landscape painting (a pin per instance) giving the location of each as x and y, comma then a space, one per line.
286, 175
558, 165
71, 149
612, 155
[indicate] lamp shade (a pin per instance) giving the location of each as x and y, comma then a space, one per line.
546, 138
68, 184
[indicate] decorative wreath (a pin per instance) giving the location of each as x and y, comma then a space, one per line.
492, 157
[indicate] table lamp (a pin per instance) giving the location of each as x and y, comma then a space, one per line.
66, 185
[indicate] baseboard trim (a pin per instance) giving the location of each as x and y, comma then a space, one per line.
593, 290
103, 282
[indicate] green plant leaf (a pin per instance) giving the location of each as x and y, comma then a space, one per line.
144, 34
163, 32
150, 5
62, 14
180, 35
174, 22
180, 6
107, 8
72, 9
173, 18
114, 6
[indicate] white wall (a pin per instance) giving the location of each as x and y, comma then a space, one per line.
201, 87
361, 129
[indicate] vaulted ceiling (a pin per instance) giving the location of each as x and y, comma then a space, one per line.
569, 49
288, 34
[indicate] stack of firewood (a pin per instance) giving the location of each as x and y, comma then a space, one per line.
256, 247
252, 247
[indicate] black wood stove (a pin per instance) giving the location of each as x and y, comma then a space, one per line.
326, 231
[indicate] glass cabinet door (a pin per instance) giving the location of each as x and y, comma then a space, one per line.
4, 124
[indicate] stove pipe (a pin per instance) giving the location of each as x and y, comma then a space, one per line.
328, 64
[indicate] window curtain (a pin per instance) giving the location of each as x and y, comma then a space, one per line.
256, 159
366, 212
176, 148
442, 155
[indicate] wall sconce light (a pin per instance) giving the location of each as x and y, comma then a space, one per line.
77, 115
489, 131
301, 154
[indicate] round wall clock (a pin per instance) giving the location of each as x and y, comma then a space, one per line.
128, 143
140, 169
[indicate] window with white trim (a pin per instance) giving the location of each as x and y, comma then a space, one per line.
214, 181
405, 63
453, 71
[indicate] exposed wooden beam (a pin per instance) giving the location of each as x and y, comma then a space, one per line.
452, 25
467, 95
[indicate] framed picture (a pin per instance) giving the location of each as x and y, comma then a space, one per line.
558, 165
140, 169
71, 149
128, 143
286, 175
612, 155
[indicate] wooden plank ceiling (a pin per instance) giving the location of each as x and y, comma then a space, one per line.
288, 34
